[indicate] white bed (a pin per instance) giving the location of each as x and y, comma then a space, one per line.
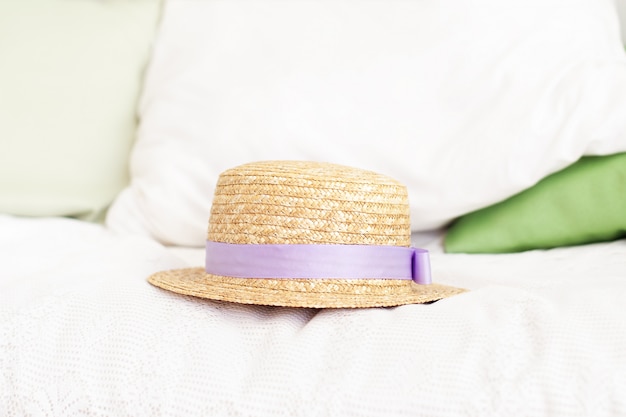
83, 333
467, 103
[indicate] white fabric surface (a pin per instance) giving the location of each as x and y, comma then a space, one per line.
621, 9
466, 103
83, 333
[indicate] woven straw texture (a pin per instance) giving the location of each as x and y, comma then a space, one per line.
292, 202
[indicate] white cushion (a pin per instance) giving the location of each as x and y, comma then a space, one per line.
621, 9
465, 102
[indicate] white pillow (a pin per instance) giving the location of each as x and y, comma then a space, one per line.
465, 102
621, 10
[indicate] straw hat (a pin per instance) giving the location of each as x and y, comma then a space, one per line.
304, 234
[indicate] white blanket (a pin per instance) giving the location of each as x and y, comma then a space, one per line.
83, 333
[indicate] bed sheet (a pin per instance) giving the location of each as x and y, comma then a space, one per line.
83, 333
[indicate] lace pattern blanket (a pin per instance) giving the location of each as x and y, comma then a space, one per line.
83, 333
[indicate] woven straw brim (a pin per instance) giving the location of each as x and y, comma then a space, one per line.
313, 293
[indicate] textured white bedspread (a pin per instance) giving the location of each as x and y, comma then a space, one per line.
83, 333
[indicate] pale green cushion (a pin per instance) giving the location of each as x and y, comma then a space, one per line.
584, 203
70, 75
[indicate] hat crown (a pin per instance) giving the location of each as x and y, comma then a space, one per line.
296, 202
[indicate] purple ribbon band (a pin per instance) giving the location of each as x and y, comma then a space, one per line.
318, 261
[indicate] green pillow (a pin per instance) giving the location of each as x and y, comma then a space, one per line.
70, 76
584, 203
